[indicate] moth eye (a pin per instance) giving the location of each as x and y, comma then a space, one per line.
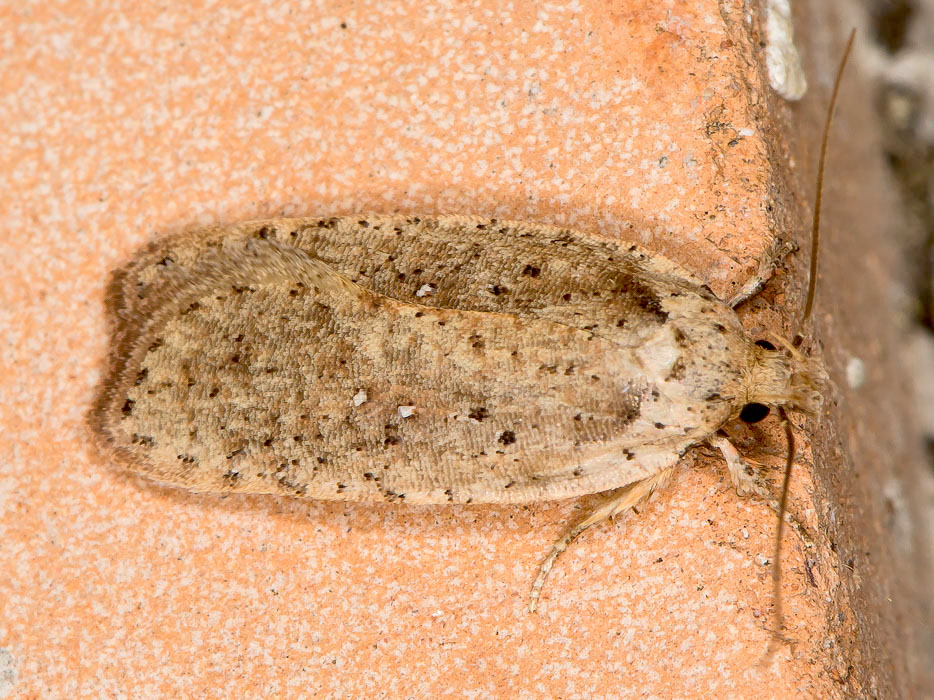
765, 344
753, 412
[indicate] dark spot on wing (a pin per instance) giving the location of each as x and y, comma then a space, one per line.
677, 371
145, 440
631, 407
645, 298
478, 414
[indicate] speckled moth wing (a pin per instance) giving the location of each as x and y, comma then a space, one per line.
432, 360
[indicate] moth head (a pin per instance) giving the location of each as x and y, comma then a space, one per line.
781, 377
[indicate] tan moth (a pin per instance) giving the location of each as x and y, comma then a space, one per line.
444, 360
428, 360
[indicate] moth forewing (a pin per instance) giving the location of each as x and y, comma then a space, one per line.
249, 345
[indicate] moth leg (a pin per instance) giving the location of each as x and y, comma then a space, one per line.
621, 500
745, 484
773, 257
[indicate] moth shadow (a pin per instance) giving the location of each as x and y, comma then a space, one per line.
371, 518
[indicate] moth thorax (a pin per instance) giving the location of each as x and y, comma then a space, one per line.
776, 378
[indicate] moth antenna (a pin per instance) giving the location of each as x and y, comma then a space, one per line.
815, 225
779, 617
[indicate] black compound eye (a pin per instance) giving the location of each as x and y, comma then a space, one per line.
753, 412
765, 344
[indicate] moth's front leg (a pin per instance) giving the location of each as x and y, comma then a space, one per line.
774, 255
744, 481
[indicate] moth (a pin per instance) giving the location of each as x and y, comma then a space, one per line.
428, 360
424, 360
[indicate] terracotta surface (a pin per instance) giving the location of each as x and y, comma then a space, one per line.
644, 121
